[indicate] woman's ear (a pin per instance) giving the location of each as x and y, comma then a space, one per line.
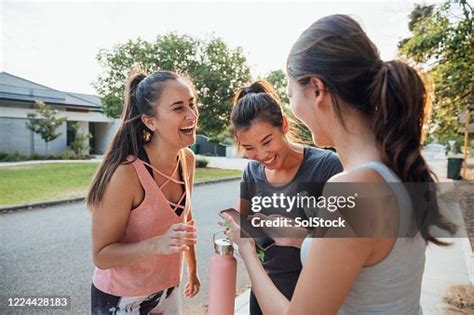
317, 86
149, 122
286, 125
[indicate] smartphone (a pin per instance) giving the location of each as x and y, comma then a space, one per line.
262, 240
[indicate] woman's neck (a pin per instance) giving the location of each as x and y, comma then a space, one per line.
292, 160
162, 157
356, 145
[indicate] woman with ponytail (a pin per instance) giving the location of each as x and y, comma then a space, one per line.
372, 112
264, 135
140, 198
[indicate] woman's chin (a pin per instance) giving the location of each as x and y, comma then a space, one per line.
190, 140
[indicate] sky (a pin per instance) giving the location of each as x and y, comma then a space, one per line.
55, 43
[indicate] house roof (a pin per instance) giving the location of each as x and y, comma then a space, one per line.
19, 89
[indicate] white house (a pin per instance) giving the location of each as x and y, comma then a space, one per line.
17, 99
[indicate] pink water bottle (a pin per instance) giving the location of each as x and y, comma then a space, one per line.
222, 278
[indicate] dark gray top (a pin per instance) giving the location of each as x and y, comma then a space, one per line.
317, 167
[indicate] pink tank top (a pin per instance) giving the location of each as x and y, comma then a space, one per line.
152, 217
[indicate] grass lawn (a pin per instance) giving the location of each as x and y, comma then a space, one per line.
205, 174
44, 182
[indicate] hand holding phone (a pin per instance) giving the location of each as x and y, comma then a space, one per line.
262, 240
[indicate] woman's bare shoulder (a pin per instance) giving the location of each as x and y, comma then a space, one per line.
363, 175
124, 180
189, 155
190, 160
125, 173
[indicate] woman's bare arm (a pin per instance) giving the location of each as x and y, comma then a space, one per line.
270, 299
190, 255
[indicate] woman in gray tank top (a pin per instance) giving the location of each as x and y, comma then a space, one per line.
261, 130
372, 112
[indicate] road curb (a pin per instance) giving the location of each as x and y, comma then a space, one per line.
242, 303
39, 204
44, 204
223, 180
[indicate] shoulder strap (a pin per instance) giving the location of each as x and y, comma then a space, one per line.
383, 170
143, 175
407, 224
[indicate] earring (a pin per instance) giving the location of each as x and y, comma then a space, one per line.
146, 136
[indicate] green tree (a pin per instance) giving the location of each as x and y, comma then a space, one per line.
441, 45
45, 123
216, 70
279, 81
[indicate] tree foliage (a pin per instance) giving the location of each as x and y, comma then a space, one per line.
45, 123
277, 78
215, 69
442, 46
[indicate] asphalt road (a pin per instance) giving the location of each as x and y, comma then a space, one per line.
48, 251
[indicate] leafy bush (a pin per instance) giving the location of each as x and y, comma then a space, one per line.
201, 163
37, 156
80, 145
12, 157
3, 155
69, 155
17, 157
53, 157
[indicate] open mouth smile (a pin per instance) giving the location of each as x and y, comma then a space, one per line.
188, 130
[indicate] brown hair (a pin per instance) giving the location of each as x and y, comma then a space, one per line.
258, 101
142, 92
336, 50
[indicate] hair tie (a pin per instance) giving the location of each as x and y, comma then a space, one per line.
247, 90
378, 66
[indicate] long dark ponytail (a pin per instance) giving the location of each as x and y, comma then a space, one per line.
141, 94
391, 94
399, 98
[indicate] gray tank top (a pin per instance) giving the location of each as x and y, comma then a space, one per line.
393, 286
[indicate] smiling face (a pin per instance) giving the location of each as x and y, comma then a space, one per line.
176, 116
265, 143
